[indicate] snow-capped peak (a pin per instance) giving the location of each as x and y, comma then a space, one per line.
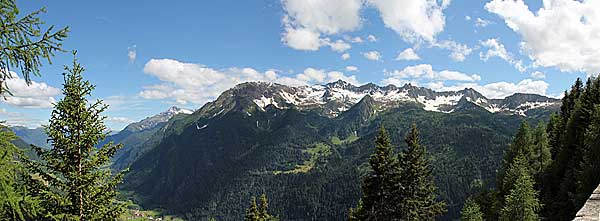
333, 98
177, 110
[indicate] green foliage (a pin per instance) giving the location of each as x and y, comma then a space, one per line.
380, 185
259, 212
522, 144
15, 201
541, 150
570, 178
215, 177
471, 211
75, 184
23, 44
521, 203
417, 198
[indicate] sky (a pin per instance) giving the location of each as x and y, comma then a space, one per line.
146, 56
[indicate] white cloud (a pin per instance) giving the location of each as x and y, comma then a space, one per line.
339, 46
538, 75
192, 83
497, 49
562, 33
468, 18
306, 21
35, 95
502, 89
302, 39
425, 72
19, 119
412, 20
408, 55
458, 52
131, 53
482, 23
119, 120
354, 40
372, 55
345, 56
351, 68
372, 38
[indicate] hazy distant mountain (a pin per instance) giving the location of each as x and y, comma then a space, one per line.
35, 136
307, 146
135, 135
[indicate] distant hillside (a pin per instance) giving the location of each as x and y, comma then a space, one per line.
35, 136
307, 147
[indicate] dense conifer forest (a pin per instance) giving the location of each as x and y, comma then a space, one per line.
370, 162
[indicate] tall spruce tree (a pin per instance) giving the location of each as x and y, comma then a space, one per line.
471, 211
563, 197
76, 183
589, 176
522, 145
252, 213
521, 203
23, 45
15, 201
378, 200
259, 212
541, 150
417, 198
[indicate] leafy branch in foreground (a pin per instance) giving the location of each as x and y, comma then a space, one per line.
23, 44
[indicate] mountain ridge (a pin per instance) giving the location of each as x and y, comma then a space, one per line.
333, 98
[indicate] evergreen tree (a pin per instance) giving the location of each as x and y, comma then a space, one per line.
471, 211
521, 203
417, 198
589, 175
23, 44
76, 183
522, 145
259, 213
252, 213
379, 186
15, 202
541, 148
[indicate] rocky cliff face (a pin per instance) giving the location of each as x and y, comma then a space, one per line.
591, 208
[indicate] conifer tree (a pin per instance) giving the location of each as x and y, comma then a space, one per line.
471, 211
76, 183
252, 213
417, 198
379, 186
542, 155
522, 145
259, 212
588, 177
23, 45
521, 203
15, 201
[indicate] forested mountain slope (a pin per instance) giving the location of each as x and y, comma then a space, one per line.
306, 147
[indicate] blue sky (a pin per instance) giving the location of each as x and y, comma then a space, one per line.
145, 56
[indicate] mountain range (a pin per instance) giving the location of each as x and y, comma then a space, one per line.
308, 146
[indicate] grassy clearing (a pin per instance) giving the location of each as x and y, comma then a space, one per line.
337, 141
320, 150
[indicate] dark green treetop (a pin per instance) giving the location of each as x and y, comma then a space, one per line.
417, 198
471, 211
76, 183
380, 185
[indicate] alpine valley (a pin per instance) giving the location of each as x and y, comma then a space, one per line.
307, 147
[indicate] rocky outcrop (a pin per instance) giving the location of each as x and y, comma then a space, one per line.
591, 209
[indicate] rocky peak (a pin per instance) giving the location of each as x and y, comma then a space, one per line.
153, 121
337, 97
